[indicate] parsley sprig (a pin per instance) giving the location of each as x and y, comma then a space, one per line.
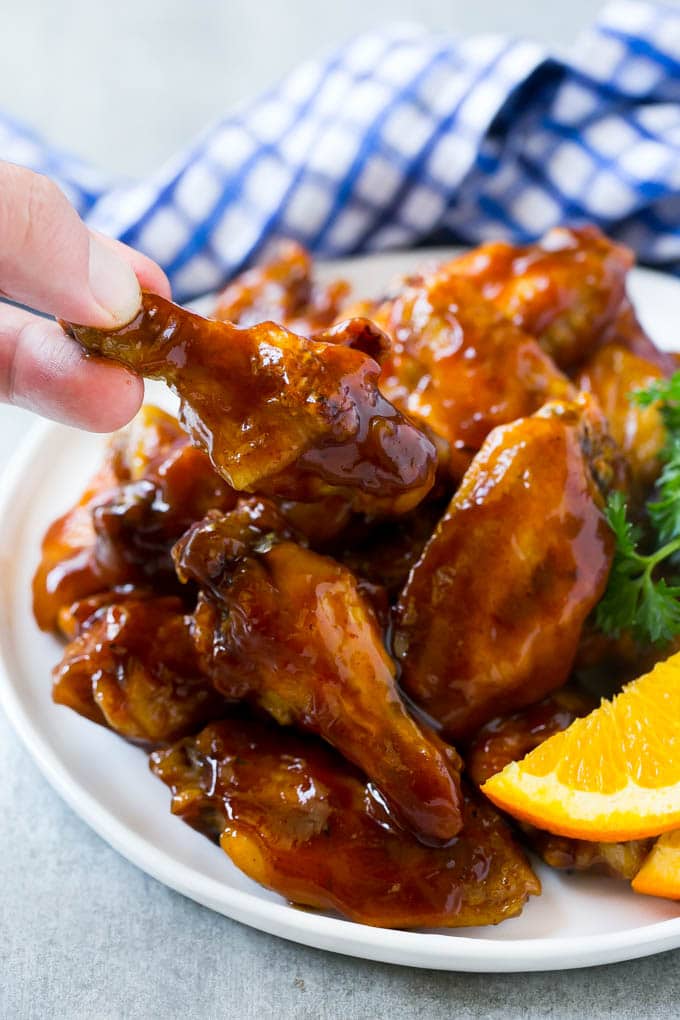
664, 512
636, 599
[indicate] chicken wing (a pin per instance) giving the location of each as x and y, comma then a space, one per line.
278, 414
133, 667
68, 568
300, 820
509, 739
491, 615
568, 290
282, 290
383, 551
152, 486
461, 368
291, 631
612, 374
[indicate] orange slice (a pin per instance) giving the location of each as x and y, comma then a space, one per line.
613, 775
660, 874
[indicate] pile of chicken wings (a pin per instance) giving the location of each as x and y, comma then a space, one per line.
357, 576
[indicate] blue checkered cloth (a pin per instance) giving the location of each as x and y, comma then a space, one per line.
402, 138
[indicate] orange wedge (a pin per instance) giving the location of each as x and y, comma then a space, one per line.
613, 775
660, 874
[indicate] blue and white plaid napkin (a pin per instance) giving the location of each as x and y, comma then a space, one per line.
402, 138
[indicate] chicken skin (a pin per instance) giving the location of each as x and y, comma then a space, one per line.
300, 820
376, 529
491, 615
459, 367
68, 568
292, 632
510, 738
568, 290
383, 551
152, 486
132, 667
612, 374
279, 414
282, 290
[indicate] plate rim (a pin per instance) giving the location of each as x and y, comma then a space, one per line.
452, 952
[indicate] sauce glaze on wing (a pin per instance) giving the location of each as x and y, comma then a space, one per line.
568, 290
299, 819
282, 289
292, 632
612, 374
152, 486
278, 414
132, 667
491, 615
460, 367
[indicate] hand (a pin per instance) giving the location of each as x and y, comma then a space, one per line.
50, 261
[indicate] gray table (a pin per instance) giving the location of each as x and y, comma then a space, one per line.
84, 934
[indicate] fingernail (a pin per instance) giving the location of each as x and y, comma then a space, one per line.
113, 283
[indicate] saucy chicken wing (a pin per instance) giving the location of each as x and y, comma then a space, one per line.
510, 738
492, 612
292, 632
282, 290
133, 667
612, 374
568, 290
383, 551
300, 820
460, 367
68, 568
152, 486
279, 414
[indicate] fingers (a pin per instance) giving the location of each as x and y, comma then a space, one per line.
52, 262
47, 372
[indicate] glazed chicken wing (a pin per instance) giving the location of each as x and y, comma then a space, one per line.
291, 631
152, 486
612, 374
282, 290
460, 367
383, 551
68, 568
568, 290
510, 738
300, 820
491, 615
133, 667
279, 414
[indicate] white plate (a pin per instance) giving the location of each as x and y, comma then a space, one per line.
578, 921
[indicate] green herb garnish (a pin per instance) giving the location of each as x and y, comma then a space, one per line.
636, 600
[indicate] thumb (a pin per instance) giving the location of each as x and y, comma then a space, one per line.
50, 261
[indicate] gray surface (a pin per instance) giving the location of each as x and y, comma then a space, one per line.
84, 934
